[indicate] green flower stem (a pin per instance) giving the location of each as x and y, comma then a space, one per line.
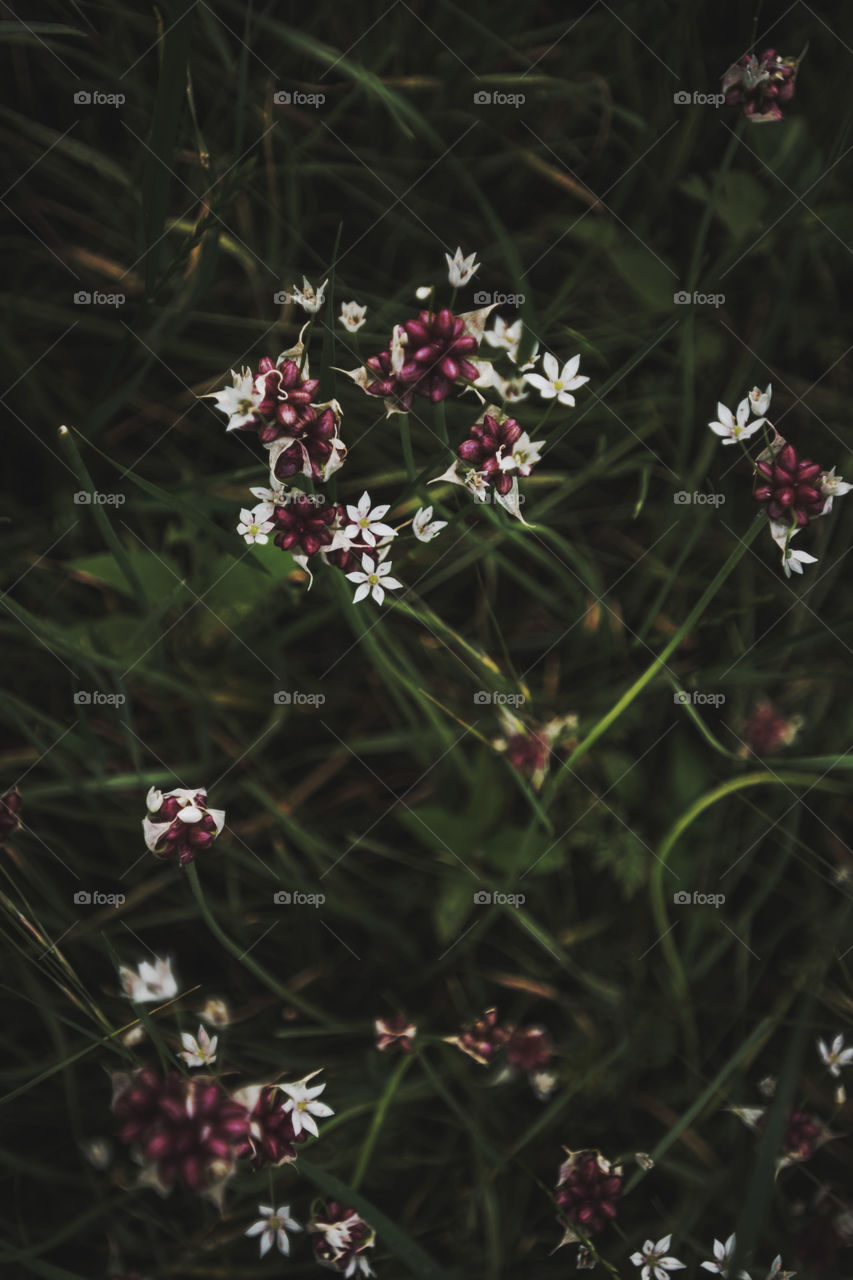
651, 671
379, 1118
406, 442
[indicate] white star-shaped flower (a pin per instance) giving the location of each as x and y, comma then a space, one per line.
525, 454
302, 1104
460, 270
254, 527
557, 382
273, 1227
308, 298
734, 429
832, 486
424, 527
792, 561
239, 401
373, 580
352, 316
836, 1057
722, 1258
759, 401
506, 336
366, 522
653, 1260
150, 982
198, 1052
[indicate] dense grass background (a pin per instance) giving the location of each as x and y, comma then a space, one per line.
598, 199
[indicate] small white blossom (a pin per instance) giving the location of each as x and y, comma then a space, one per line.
506, 336
732, 430
254, 527
302, 1104
759, 400
422, 292
150, 982
272, 1227
510, 390
460, 270
352, 316
836, 1057
543, 1084
239, 401
525, 454
832, 486
199, 1052
776, 1272
424, 527
308, 298
366, 522
722, 1258
654, 1261
792, 561
373, 580
557, 382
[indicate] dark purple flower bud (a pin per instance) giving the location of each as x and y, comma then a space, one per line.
303, 526
588, 1191
787, 486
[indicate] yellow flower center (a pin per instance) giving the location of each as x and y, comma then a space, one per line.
558, 386
372, 579
364, 522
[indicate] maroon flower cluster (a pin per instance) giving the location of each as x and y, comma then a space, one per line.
303, 525
761, 86
588, 1191
525, 1049
767, 730
788, 487
481, 449
190, 1131
342, 1248
182, 839
286, 408
270, 1136
802, 1136
436, 351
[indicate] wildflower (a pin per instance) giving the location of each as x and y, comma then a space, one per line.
425, 357
150, 982
341, 1239
422, 292
792, 561
199, 1052
644, 1160
836, 1057
286, 399
254, 527
654, 1262
489, 443
588, 1191
179, 823
216, 1012
510, 390
10, 814
395, 1033
543, 1084
352, 316
302, 1105
273, 1227
776, 1271
767, 731
767, 1086
507, 337
373, 580
787, 486
424, 527
557, 382
303, 526
832, 486
803, 1136
270, 1137
239, 402
366, 523
528, 1049
760, 400
529, 749
483, 1038
523, 456
722, 1258
761, 86
460, 270
185, 1131
308, 298
733, 430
